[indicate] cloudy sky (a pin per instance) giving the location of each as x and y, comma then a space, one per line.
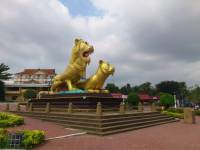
146, 40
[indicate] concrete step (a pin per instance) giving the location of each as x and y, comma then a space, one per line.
103, 125
94, 119
131, 128
139, 123
116, 127
98, 123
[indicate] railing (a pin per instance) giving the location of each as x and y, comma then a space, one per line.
99, 109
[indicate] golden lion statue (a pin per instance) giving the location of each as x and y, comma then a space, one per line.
95, 83
76, 68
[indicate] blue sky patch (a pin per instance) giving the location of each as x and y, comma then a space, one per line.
81, 8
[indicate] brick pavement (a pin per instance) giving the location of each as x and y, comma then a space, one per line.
173, 136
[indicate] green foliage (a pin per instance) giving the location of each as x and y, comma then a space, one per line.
9, 120
2, 91
126, 89
146, 88
3, 72
173, 87
111, 87
166, 100
30, 93
3, 138
133, 99
32, 138
194, 94
175, 115
197, 112
175, 110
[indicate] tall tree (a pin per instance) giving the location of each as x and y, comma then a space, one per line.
194, 94
173, 87
111, 87
2, 91
147, 88
126, 89
4, 75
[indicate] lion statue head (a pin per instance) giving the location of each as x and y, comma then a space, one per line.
81, 49
106, 68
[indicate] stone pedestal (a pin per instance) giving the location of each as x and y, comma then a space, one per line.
47, 108
70, 108
189, 116
122, 108
7, 107
30, 107
27, 107
18, 107
140, 107
153, 107
99, 109
126, 107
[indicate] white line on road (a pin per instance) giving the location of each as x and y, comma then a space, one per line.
69, 135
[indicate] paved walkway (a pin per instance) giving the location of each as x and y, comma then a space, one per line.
173, 136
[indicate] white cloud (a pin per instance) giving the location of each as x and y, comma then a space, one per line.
150, 40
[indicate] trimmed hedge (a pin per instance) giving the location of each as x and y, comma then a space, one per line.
197, 112
10, 120
3, 138
176, 110
175, 115
181, 111
32, 138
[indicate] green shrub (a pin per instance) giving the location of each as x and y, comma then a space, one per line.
30, 93
175, 110
166, 100
197, 112
9, 120
171, 114
133, 99
3, 138
32, 138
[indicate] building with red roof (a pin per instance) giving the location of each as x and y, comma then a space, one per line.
37, 79
147, 98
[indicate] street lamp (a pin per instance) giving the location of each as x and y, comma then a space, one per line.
175, 100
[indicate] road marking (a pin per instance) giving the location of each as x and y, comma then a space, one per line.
72, 129
68, 135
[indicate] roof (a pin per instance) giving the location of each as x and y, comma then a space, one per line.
28, 85
146, 97
33, 71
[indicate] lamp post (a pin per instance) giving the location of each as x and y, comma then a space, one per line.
175, 100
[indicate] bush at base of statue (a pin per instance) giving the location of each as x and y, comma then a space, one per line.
133, 99
10, 120
30, 93
166, 100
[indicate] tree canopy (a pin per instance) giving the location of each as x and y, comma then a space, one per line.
172, 87
194, 94
166, 100
133, 98
4, 75
111, 87
30, 93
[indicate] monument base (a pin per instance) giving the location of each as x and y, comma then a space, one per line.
85, 101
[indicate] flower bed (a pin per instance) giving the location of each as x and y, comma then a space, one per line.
10, 120
29, 139
172, 114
